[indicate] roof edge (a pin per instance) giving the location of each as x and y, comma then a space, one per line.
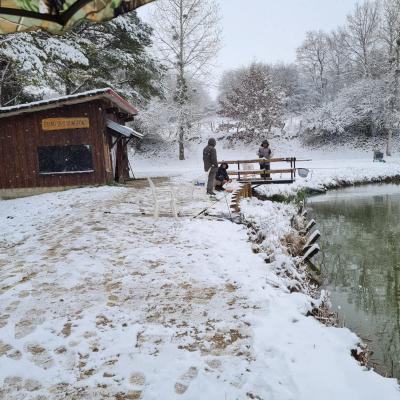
42, 105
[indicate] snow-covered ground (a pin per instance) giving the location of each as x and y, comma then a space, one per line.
98, 301
328, 168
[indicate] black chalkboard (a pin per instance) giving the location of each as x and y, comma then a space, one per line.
64, 159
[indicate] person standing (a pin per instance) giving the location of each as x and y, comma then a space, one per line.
265, 152
210, 164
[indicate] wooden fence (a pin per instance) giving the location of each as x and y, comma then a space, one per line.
246, 174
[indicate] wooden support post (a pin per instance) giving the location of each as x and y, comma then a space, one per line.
311, 252
310, 225
294, 168
314, 237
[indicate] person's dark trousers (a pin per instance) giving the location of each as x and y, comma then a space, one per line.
211, 179
266, 167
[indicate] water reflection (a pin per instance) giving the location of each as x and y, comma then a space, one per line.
361, 265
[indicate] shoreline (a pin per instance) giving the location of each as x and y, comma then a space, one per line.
327, 316
303, 192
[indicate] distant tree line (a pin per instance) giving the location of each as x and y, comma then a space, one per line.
343, 81
351, 73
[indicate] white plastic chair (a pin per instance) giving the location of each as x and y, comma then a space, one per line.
163, 196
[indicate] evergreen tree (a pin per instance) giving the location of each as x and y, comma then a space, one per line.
118, 58
114, 54
30, 65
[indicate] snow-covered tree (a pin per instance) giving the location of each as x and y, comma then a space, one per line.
339, 68
363, 36
188, 36
161, 115
253, 100
286, 79
115, 54
390, 25
119, 57
312, 55
27, 66
64, 58
360, 109
358, 64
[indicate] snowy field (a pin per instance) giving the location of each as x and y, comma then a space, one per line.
328, 168
98, 301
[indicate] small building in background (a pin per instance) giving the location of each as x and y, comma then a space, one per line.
65, 142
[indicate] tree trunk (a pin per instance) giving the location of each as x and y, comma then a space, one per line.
181, 144
389, 143
181, 87
394, 103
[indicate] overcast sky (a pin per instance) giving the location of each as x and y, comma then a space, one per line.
271, 30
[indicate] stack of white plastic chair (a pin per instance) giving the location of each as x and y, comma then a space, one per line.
250, 167
163, 196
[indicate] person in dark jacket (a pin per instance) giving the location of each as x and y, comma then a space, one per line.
210, 164
265, 152
222, 177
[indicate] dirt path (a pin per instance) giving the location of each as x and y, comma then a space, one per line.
97, 305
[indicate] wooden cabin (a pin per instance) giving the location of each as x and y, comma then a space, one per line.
64, 142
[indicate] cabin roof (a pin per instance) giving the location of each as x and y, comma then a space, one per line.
97, 94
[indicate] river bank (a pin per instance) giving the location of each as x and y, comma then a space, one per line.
384, 361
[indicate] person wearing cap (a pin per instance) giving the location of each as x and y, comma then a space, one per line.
265, 152
222, 177
210, 164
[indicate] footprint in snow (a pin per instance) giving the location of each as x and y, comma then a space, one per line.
39, 355
28, 324
16, 383
183, 384
9, 351
137, 379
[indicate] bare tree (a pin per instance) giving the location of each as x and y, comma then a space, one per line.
390, 34
390, 25
188, 37
363, 34
313, 55
338, 63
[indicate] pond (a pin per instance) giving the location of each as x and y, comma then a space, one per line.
360, 265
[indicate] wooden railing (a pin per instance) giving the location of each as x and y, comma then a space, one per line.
245, 175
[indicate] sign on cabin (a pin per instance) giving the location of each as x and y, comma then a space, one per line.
55, 124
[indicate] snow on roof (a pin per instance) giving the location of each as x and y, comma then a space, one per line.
106, 93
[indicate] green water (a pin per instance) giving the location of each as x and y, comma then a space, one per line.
360, 262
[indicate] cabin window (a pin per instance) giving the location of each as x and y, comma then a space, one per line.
65, 159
